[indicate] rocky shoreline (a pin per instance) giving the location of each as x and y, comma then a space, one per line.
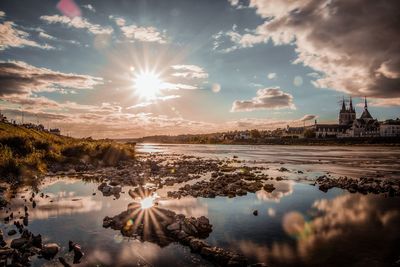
191, 176
169, 227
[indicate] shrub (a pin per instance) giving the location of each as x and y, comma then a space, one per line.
21, 145
9, 164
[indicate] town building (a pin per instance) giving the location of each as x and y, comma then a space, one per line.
348, 125
390, 128
55, 131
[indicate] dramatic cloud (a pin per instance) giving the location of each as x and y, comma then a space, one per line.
77, 22
143, 34
17, 77
267, 98
189, 71
358, 54
10, 36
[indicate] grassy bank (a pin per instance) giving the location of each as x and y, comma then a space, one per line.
28, 151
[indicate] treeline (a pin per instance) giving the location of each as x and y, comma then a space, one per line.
211, 139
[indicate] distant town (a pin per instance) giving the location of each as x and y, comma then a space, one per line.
349, 127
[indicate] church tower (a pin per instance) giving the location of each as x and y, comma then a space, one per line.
347, 116
352, 112
343, 120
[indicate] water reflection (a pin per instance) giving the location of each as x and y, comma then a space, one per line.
189, 206
297, 225
282, 189
351, 230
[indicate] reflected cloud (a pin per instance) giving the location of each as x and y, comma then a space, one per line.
350, 225
188, 206
282, 189
64, 206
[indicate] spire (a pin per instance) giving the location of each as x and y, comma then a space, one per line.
343, 105
351, 104
365, 106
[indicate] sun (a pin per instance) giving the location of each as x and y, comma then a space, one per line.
147, 84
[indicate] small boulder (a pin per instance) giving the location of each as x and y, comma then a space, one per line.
50, 250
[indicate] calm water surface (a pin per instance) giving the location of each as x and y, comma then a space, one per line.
297, 225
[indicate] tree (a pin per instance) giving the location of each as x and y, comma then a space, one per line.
255, 134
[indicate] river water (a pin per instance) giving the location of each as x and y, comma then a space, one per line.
297, 225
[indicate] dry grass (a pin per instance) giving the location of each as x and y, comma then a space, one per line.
25, 151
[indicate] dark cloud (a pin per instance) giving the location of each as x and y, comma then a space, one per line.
355, 44
17, 78
267, 98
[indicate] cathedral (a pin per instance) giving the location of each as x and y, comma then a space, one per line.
349, 125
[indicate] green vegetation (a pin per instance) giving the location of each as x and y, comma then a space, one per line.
27, 151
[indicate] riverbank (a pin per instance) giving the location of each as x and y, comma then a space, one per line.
27, 152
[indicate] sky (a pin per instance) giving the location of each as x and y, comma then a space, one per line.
120, 69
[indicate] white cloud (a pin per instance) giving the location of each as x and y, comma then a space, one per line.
267, 98
272, 75
78, 23
10, 36
46, 36
189, 71
89, 7
143, 34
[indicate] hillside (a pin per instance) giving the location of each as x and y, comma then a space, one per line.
24, 152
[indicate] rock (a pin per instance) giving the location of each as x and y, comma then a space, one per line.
2, 242
196, 245
12, 232
50, 250
114, 183
19, 242
37, 241
255, 213
283, 169
78, 254
174, 226
63, 262
269, 187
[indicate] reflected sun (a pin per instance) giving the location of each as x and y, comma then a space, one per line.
148, 202
147, 84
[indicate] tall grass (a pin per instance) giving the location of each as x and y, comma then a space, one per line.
25, 151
